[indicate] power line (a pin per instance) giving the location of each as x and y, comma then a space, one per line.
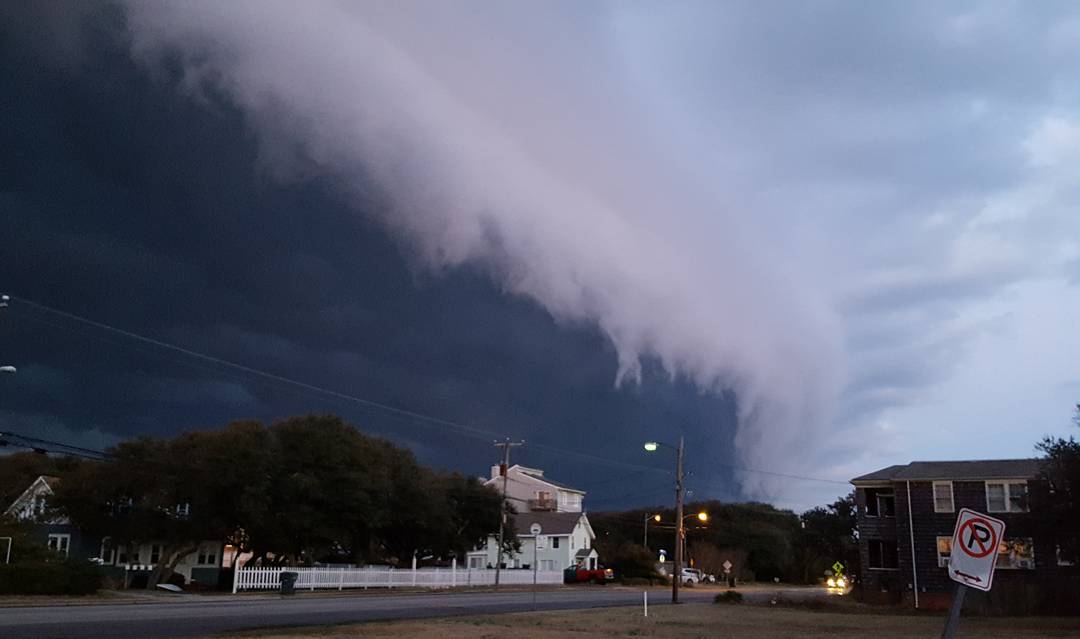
464, 429
38, 444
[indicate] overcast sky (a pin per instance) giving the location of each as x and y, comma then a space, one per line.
813, 238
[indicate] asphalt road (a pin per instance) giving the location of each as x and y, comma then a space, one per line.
197, 616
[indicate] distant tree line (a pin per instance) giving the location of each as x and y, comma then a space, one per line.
303, 490
761, 542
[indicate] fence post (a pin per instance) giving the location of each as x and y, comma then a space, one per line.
390, 577
341, 579
235, 575
414, 570
453, 573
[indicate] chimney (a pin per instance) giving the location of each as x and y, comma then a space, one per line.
495, 471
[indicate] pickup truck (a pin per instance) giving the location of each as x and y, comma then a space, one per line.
582, 575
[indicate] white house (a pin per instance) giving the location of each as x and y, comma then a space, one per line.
60, 535
566, 537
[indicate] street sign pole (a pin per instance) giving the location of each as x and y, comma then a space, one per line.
535, 529
954, 612
976, 542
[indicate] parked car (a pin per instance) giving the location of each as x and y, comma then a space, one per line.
582, 575
691, 576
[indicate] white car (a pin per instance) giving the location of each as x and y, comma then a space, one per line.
691, 576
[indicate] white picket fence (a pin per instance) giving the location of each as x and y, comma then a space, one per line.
324, 577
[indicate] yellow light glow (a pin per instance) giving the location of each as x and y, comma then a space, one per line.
703, 516
656, 518
651, 446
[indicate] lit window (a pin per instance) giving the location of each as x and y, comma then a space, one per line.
944, 551
1016, 554
943, 497
1007, 497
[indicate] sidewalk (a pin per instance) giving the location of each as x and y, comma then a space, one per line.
135, 597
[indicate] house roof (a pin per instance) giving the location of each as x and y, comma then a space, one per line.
539, 474
535, 474
967, 469
42, 483
552, 523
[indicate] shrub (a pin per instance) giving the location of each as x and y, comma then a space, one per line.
69, 577
728, 597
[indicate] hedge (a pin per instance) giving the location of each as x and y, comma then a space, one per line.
71, 577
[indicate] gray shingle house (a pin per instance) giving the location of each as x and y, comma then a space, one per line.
906, 515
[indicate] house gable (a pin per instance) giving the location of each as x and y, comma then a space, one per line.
31, 503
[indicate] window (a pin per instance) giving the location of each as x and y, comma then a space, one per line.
883, 555
183, 511
571, 542
135, 556
1016, 554
155, 553
475, 562
60, 544
1063, 557
554, 542
106, 553
547, 564
943, 497
207, 557
880, 502
944, 551
1007, 496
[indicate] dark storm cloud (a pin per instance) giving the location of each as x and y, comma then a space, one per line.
856, 219
130, 203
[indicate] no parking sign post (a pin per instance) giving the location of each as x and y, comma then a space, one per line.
975, 543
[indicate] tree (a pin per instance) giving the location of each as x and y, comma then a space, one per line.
19, 470
305, 489
828, 534
1062, 473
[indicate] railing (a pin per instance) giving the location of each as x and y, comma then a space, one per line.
329, 577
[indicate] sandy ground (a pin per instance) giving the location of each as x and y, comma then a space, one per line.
692, 621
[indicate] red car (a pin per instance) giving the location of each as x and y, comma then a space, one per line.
581, 575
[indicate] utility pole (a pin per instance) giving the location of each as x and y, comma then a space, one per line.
504, 470
680, 531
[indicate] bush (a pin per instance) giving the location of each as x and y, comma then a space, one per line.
728, 597
69, 577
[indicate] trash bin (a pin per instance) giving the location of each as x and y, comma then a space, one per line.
288, 582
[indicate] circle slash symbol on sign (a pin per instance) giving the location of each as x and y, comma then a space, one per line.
977, 537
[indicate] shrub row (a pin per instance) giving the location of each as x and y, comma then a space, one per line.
71, 577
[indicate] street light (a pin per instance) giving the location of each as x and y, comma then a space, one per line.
703, 516
655, 518
677, 574
7, 369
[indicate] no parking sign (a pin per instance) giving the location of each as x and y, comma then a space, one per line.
975, 545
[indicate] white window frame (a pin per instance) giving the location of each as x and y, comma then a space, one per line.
1007, 493
106, 548
952, 496
206, 556
1060, 561
65, 537
942, 561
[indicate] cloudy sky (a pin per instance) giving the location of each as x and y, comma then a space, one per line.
812, 238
